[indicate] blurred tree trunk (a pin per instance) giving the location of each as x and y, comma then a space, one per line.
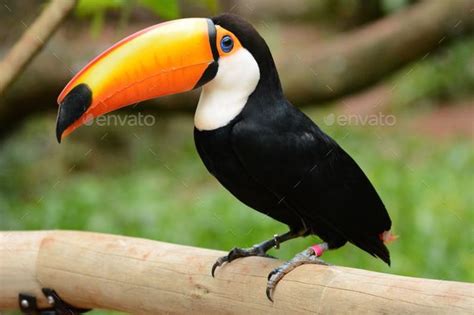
311, 71
340, 14
269, 10
362, 57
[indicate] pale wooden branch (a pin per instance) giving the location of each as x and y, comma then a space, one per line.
33, 40
134, 275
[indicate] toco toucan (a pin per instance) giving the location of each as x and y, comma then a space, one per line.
261, 148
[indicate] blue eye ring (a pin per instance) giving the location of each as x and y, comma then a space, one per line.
227, 43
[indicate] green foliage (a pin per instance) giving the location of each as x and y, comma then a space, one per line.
212, 5
446, 75
96, 10
390, 6
167, 9
90, 7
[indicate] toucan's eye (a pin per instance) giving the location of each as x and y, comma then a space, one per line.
227, 43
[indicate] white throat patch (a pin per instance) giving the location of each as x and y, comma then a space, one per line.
224, 97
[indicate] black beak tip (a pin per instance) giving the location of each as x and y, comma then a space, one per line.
59, 133
74, 105
59, 126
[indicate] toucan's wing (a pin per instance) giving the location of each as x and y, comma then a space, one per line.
305, 168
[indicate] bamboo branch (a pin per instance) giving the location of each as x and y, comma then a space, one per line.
33, 40
134, 275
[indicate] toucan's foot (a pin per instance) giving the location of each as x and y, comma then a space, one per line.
309, 256
256, 250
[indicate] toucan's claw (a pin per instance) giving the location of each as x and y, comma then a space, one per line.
306, 257
269, 292
257, 250
219, 262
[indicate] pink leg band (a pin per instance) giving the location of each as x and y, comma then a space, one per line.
318, 249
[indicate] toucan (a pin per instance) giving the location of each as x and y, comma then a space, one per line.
260, 147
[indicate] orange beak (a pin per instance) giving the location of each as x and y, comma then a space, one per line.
164, 59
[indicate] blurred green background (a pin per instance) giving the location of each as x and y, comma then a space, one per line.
148, 181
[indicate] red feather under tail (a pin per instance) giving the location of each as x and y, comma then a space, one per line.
387, 237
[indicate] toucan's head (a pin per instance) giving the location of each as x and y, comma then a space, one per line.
169, 58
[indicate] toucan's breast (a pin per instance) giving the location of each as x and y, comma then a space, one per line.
215, 149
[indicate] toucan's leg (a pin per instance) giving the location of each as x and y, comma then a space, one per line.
256, 250
308, 256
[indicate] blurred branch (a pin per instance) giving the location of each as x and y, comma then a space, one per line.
33, 40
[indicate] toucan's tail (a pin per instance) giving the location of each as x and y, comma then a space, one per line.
376, 245
381, 251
